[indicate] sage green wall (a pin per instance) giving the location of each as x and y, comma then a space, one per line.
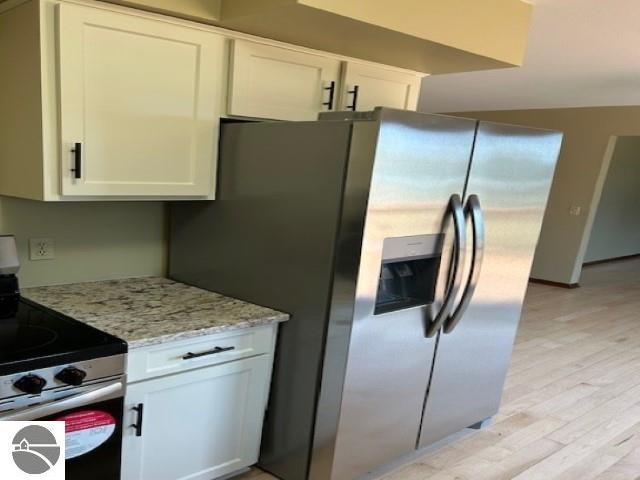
93, 240
578, 180
616, 228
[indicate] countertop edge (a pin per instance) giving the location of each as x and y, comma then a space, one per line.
152, 310
203, 332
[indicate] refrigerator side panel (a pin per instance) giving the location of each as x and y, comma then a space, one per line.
269, 239
511, 173
420, 161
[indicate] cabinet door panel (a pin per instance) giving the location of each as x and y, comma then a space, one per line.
196, 425
379, 87
141, 96
273, 82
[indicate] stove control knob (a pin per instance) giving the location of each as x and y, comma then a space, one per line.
71, 376
31, 383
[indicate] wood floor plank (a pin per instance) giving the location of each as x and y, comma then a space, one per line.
627, 468
514, 464
571, 405
579, 450
604, 458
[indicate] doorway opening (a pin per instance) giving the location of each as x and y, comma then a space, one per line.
615, 231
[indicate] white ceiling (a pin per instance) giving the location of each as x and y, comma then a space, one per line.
580, 53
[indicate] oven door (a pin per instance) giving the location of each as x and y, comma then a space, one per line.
93, 426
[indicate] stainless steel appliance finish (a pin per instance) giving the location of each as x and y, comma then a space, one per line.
510, 177
356, 226
55, 402
103, 379
419, 162
96, 369
271, 239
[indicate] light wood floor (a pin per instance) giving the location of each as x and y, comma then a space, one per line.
571, 405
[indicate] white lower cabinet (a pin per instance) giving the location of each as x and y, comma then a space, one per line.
199, 424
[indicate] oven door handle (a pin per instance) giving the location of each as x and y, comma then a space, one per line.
105, 392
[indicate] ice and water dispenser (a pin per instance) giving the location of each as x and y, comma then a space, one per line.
408, 272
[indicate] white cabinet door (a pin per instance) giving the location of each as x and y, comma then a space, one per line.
369, 86
141, 98
273, 82
196, 425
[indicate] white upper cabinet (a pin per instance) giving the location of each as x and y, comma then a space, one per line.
278, 83
368, 86
106, 102
139, 105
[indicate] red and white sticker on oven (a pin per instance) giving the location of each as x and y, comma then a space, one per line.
86, 430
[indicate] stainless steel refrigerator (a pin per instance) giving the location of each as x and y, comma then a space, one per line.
401, 244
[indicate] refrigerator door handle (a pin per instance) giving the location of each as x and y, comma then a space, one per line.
455, 272
473, 210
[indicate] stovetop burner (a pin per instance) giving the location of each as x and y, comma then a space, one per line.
33, 336
25, 338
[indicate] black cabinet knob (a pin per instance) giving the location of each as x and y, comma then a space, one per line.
32, 384
71, 376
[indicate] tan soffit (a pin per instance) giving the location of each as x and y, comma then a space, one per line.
205, 11
580, 53
493, 28
431, 36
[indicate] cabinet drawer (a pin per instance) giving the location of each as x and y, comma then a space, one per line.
183, 355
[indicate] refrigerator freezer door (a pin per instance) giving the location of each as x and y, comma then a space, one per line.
420, 161
511, 173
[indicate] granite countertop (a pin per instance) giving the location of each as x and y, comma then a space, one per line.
151, 310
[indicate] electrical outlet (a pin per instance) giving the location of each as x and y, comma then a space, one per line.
41, 249
575, 210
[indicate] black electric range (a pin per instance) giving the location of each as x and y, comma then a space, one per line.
34, 337
53, 367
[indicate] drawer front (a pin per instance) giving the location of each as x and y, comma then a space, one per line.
182, 355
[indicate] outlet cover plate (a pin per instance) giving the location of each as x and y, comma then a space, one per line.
41, 249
